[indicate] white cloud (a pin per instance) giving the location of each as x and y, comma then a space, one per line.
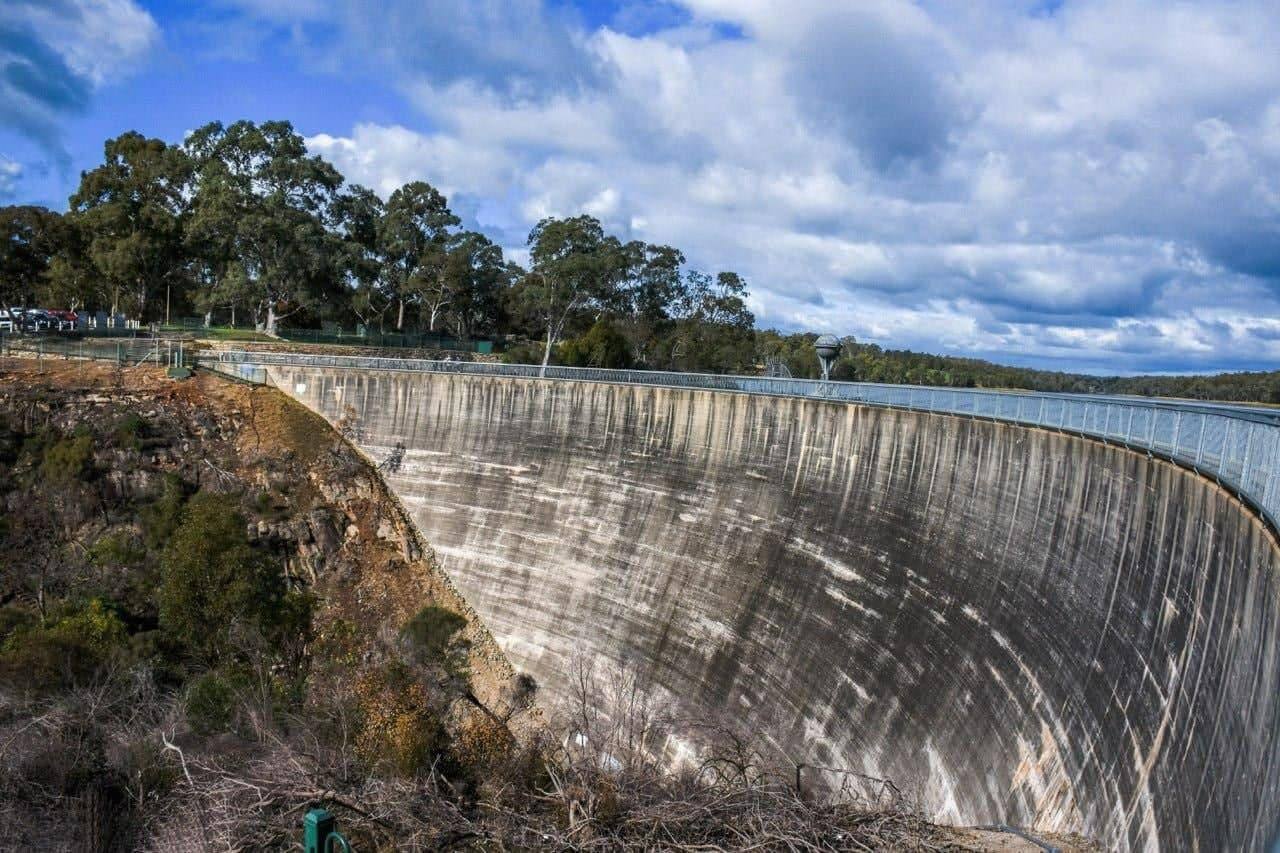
1099, 186
97, 38
56, 53
9, 174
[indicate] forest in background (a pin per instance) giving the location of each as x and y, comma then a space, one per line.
240, 225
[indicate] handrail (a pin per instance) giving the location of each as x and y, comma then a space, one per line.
1238, 446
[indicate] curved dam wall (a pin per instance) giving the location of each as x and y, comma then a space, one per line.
1033, 628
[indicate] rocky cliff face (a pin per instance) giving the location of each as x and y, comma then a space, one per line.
308, 496
100, 474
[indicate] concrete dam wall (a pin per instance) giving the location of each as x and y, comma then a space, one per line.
1036, 629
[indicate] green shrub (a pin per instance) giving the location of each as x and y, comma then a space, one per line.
212, 579
602, 346
34, 444
14, 617
116, 549
526, 353
210, 703
69, 647
400, 729
160, 518
67, 459
127, 432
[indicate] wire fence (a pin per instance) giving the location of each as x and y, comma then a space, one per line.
1238, 446
132, 351
386, 340
334, 335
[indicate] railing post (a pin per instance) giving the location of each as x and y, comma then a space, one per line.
1226, 446
319, 834
1244, 465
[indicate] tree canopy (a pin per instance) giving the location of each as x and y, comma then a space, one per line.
241, 223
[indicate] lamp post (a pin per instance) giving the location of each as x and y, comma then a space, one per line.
828, 347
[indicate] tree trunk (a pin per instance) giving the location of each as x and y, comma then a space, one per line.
546, 353
208, 318
271, 320
400, 317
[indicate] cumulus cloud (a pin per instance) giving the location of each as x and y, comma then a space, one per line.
1086, 184
54, 53
9, 174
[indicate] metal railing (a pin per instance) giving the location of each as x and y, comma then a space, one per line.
1238, 446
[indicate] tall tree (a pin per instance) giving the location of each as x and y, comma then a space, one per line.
358, 215
478, 278
652, 292
414, 237
132, 207
717, 330
72, 280
259, 193
576, 268
30, 238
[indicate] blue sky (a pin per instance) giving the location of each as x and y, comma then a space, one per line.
1072, 184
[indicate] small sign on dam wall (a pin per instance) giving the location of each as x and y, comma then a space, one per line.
1039, 629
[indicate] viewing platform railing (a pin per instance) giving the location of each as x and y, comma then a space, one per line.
1236, 445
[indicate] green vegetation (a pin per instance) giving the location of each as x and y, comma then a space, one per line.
213, 581
117, 549
432, 629
67, 459
602, 346
210, 703
160, 518
127, 433
239, 224
65, 648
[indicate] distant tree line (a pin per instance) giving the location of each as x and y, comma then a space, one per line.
240, 225
864, 362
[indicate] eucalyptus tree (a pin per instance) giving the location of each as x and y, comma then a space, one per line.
413, 237
263, 208
716, 328
71, 280
577, 268
30, 238
478, 277
359, 214
653, 289
132, 207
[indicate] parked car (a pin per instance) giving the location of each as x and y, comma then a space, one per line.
35, 320
66, 320
10, 320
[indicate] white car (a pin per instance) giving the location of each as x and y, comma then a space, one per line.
9, 320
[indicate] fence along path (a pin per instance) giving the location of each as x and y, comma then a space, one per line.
1238, 446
